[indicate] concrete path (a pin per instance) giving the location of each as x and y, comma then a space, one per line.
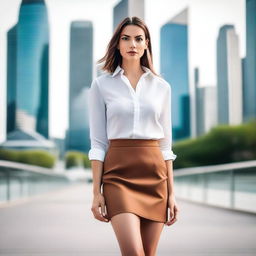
61, 224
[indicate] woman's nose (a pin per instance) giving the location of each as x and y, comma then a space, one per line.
133, 43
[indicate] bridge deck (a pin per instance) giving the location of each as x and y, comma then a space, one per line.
61, 224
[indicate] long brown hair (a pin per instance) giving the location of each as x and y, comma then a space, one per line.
113, 57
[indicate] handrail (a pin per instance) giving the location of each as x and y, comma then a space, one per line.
28, 179
214, 168
29, 167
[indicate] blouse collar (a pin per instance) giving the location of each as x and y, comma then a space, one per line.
118, 69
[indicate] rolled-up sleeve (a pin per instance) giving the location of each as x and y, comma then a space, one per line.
165, 120
97, 123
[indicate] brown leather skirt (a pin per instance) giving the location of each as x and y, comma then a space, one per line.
135, 179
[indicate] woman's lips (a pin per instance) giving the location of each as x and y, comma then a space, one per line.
132, 53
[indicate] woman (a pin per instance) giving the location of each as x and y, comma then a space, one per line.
130, 132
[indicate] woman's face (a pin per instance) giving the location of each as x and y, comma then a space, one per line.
132, 38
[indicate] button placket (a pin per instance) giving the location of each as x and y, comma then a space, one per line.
135, 97
127, 82
136, 115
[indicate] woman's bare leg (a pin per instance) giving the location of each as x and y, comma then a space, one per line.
150, 234
127, 229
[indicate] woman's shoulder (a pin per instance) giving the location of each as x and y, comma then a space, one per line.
103, 78
162, 82
100, 79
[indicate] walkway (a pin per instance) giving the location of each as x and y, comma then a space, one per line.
61, 224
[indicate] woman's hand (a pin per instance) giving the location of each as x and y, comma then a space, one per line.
172, 205
99, 201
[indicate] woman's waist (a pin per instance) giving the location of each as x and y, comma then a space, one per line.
125, 142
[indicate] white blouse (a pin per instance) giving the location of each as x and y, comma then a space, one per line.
117, 110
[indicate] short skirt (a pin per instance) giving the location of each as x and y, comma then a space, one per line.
135, 179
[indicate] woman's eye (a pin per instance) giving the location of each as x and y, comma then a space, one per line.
138, 39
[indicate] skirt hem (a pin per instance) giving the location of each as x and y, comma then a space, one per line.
138, 214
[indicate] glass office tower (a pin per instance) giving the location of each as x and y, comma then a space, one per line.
129, 8
32, 67
249, 87
11, 78
174, 69
81, 63
27, 79
229, 77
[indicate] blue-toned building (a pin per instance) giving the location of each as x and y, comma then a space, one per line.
129, 8
205, 101
27, 76
32, 67
229, 77
81, 64
11, 78
249, 85
174, 69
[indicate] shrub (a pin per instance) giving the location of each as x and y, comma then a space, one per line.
29, 156
75, 158
87, 162
222, 144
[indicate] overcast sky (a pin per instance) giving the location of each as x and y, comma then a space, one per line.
205, 18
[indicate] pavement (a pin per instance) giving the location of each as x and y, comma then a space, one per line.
60, 223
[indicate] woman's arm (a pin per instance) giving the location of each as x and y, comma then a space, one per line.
98, 204
169, 156
172, 204
97, 167
98, 133
166, 142
99, 146
97, 123
169, 166
165, 120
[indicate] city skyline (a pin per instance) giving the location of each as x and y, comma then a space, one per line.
58, 127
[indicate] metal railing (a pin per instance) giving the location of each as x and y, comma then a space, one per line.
19, 180
230, 185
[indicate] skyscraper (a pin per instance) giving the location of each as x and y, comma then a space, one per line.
11, 78
206, 116
27, 91
250, 62
205, 97
206, 109
128, 8
27, 79
174, 68
229, 77
81, 63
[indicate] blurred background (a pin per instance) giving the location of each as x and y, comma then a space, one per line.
205, 49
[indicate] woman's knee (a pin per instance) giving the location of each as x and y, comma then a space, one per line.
127, 230
133, 251
150, 234
150, 251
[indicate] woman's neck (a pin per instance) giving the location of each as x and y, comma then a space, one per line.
132, 68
